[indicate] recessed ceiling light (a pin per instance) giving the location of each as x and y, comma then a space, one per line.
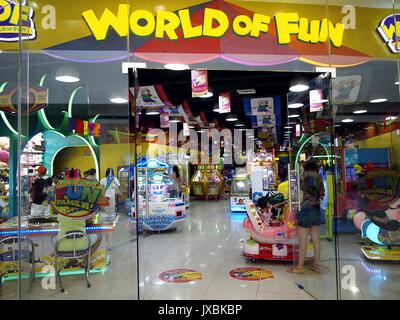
293, 116
68, 79
67, 73
175, 120
295, 105
176, 66
391, 118
191, 127
231, 117
239, 124
200, 131
209, 94
347, 120
298, 85
379, 100
119, 100
152, 112
360, 111
288, 127
246, 91
337, 125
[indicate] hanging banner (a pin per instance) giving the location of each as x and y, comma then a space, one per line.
186, 130
164, 120
199, 83
148, 97
316, 97
262, 106
224, 102
345, 89
298, 130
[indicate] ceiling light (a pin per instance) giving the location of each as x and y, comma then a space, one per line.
298, 85
293, 116
397, 82
207, 95
391, 118
191, 127
176, 66
118, 100
239, 124
360, 111
175, 120
152, 112
347, 120
378, 100
231, 117
295, 105
67, 74
288, 127
337, 125
200, 131
246, 91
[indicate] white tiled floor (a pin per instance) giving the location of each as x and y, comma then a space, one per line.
210, 242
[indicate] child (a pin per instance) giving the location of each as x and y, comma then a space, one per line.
269, 213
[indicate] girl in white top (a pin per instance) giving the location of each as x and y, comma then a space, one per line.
111, 187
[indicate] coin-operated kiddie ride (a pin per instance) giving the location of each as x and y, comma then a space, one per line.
159, 208
382, 228
270, 242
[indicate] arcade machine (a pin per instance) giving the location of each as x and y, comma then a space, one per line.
207, 182
263, 174
158, 210
240, 193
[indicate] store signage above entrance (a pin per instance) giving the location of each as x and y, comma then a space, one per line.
10, 21
215, 24
389, 29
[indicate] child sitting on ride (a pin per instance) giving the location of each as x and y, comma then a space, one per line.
271, 209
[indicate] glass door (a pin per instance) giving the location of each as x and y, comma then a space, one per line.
309, 135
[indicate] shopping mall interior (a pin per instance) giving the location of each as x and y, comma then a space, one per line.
203, 240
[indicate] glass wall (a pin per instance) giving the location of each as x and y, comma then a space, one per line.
69, 115
65, 113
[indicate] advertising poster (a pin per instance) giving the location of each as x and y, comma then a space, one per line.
298, 130
315, 100
262, 106
225, 102
78, 198
199, 83
148, 97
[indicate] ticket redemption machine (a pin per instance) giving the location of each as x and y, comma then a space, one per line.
207, 181
240, 193
157, 210
263, 175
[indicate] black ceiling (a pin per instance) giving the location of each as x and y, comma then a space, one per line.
177, 86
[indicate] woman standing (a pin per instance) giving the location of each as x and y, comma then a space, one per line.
111, 187
175, 188
309, 218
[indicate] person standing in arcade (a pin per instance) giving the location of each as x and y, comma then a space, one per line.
38, 192
308, 217
111, 187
